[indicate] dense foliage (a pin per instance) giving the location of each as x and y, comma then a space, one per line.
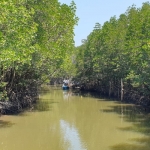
36, 43
115, 57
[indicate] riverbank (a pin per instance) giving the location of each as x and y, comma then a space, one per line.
28, 98
130, 95
19, 100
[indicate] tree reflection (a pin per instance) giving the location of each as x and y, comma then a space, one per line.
4, 124
141, 123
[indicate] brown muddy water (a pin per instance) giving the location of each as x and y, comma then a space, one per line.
67, 120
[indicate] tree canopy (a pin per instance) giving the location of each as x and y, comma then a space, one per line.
36, 42
118, 51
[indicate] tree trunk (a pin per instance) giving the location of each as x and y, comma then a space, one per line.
110, 88
122, 89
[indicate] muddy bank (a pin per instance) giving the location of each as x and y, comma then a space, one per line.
19, 100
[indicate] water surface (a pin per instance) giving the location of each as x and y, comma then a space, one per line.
64, 120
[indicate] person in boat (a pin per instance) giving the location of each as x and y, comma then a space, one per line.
65, 82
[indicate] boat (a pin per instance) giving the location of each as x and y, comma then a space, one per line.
66, 84
65, 87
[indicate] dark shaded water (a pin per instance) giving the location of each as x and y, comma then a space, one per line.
64, 120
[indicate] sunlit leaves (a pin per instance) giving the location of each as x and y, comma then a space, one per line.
36, 40
17, 33
120, 49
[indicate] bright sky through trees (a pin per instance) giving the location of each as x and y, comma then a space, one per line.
92, 11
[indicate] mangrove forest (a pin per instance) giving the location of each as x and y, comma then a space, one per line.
36, 42
37, 45
114, 60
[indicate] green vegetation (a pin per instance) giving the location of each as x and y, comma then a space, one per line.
115, 57
36, 43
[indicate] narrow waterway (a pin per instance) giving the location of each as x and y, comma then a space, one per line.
67, 120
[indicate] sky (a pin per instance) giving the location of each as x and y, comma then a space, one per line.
90, 12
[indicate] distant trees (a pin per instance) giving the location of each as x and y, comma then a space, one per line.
115, 58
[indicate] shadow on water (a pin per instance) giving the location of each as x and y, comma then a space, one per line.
96, 95
129, 113
133, 146
5, 124
45, 105
141, 124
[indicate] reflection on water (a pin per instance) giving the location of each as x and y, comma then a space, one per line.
42, 106
64, 120
71, 136
4, 124
66, 94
